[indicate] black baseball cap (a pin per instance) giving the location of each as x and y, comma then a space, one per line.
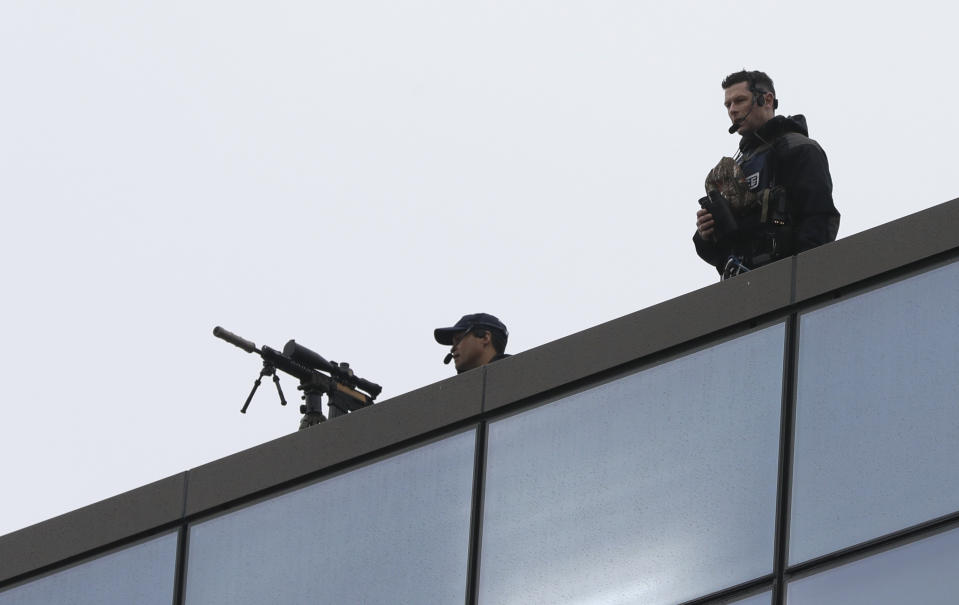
444, 336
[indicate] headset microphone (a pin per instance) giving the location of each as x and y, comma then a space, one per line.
758, 101
739, 122
448, 359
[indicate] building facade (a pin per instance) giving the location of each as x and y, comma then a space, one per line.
787, 436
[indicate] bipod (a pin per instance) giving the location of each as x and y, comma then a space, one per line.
268, 370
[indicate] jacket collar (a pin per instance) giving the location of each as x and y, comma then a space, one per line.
775, 127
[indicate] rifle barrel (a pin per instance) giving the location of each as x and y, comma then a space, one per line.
235, 340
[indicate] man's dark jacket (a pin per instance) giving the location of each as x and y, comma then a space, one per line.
780, 153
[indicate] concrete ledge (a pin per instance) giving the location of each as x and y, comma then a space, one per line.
92, 527
639, 334
880, 249
363, 432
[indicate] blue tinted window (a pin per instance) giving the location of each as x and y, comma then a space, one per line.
760, 599
877, 425
655, 488
925, 572
137, 575
396, 531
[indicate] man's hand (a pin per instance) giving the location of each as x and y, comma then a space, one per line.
705, 224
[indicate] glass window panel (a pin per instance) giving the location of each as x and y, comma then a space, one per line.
396, 531
137, 575
877, 425
924, 572
760, 599
655, 488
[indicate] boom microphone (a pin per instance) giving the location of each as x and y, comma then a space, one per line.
739, 122
448, 359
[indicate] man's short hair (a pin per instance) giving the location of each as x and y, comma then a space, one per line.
499, 341
759, 83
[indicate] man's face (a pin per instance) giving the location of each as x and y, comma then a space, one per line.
739, 105
469, 351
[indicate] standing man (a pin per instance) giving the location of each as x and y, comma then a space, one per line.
774, 198
476, 340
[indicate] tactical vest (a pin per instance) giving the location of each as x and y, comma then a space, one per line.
760, 206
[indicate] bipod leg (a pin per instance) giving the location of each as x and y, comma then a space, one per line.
276, 381
249, 398
268, 370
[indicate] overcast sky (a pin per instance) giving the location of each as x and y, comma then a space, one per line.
355, 174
